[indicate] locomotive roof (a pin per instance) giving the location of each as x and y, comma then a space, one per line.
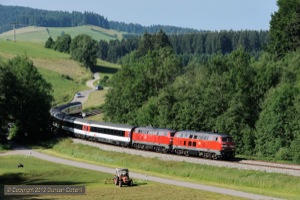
201, 133
153, 130
150, 128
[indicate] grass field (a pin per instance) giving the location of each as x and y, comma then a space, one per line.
66, 76
41, 34
270, 184
98, 185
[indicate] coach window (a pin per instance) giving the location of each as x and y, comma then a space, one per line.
194, 144
191, 136
190, 143
195, 136
184, 143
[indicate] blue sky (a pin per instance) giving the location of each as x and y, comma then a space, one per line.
198, 14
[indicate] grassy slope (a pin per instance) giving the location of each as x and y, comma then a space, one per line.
41, 34
66, 76
98, 185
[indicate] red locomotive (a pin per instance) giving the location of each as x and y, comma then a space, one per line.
156, 139
203, 144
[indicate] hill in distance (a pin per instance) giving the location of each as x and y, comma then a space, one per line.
41, 34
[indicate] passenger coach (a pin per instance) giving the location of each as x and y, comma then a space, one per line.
119, 134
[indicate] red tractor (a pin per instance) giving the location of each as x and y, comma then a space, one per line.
122, 177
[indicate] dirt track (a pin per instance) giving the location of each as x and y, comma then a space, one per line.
29, 152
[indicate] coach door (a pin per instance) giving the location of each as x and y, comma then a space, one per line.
85, 129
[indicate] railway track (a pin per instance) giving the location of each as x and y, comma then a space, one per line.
93, 112
270, 167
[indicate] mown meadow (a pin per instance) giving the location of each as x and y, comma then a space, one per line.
269, 184
97, 185
41, 34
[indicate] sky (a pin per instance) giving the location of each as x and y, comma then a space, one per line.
198, 14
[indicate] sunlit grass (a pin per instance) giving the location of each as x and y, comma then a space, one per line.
96, 99
98, 185
41, 34
270, 184
65, 75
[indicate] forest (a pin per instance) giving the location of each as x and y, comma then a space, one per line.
242, 83
24, 16
255, 99
194, 47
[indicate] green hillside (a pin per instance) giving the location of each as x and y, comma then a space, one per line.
41, 34
66, 76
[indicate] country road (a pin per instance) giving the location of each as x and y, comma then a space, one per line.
85, 94
42, 156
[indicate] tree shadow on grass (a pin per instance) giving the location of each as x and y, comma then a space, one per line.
19, 179
104, 69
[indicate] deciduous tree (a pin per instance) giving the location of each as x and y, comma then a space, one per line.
25, 98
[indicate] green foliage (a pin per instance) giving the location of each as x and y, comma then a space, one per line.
84, 49
151, 42
49, 43
137, 81
27, 99
62, 43
274, 127
285, 28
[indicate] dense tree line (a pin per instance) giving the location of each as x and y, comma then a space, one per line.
256, 100
25, 16
25, 101
82, 48
139, 29
192, 45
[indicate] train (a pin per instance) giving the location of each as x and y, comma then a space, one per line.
212, 145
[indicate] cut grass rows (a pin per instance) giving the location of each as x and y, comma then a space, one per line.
98, 185
269, 184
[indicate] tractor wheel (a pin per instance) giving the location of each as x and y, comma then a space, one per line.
131, 183
120, 183
116, 180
